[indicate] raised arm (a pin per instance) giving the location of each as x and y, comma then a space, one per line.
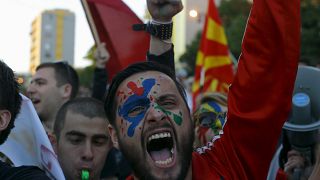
260, 96
162, 13
259, 100
100, 77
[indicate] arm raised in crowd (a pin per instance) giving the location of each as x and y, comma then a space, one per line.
100, 76
162, 13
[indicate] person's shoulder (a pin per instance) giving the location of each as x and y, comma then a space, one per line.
31, 172
22, 172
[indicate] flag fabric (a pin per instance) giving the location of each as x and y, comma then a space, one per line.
113, 20
213, 70
28, 143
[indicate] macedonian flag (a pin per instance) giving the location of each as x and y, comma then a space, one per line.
213, 71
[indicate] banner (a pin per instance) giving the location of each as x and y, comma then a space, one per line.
113, 21
28, 143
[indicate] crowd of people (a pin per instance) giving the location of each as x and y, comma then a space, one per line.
139, 126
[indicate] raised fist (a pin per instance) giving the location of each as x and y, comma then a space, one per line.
101, 56
164, 10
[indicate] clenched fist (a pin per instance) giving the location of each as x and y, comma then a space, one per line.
164, 10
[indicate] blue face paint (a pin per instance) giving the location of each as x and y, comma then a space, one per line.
134, 108
218, 110
215, 106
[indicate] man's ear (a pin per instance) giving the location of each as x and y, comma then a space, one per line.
113, 135
5, 117
54, 142
66, 90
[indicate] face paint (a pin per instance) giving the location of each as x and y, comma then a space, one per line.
177, 118
202, 134
210, 120
135, 107
211, 107
143, 154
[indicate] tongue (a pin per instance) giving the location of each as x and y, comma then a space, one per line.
160, 155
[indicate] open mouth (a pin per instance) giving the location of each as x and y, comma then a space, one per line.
160, 147
35, 101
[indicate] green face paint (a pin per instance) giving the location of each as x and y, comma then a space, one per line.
85, 175
177, 118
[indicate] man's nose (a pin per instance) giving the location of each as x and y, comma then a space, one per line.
155, 113
31, 89
87, 153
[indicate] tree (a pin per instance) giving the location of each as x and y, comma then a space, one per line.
86, 73
310, 32
189, 57
85, 76
234, 15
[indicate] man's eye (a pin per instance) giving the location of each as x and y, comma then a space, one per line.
168, 103
75, 141
136, 111
39, 83
100, 142
206, 121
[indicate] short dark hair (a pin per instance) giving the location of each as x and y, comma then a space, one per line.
86, 106
64, 74
10, 98
110, 103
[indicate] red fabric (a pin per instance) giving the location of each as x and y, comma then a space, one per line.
113, 20
281, 175
223, 74
259, 98
130, 177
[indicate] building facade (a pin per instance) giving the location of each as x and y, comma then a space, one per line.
52, 38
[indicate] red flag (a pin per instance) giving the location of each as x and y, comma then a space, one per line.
213, 71
113, 20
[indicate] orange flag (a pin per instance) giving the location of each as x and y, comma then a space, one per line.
213, 71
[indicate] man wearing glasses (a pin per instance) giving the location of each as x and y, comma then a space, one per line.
52, 85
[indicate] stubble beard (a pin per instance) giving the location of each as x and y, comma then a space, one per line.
137, 160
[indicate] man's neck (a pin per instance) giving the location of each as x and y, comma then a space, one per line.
189, 174
49, 118
48, 124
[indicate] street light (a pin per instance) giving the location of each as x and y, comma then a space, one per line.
196, 15
193, 13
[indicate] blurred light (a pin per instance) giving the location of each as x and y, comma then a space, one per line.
193, 13
20, 80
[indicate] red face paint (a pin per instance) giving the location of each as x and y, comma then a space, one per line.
135, 89
202, 134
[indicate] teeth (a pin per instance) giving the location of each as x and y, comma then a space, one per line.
169, 160
159, 135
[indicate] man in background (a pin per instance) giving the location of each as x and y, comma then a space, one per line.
52, 85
